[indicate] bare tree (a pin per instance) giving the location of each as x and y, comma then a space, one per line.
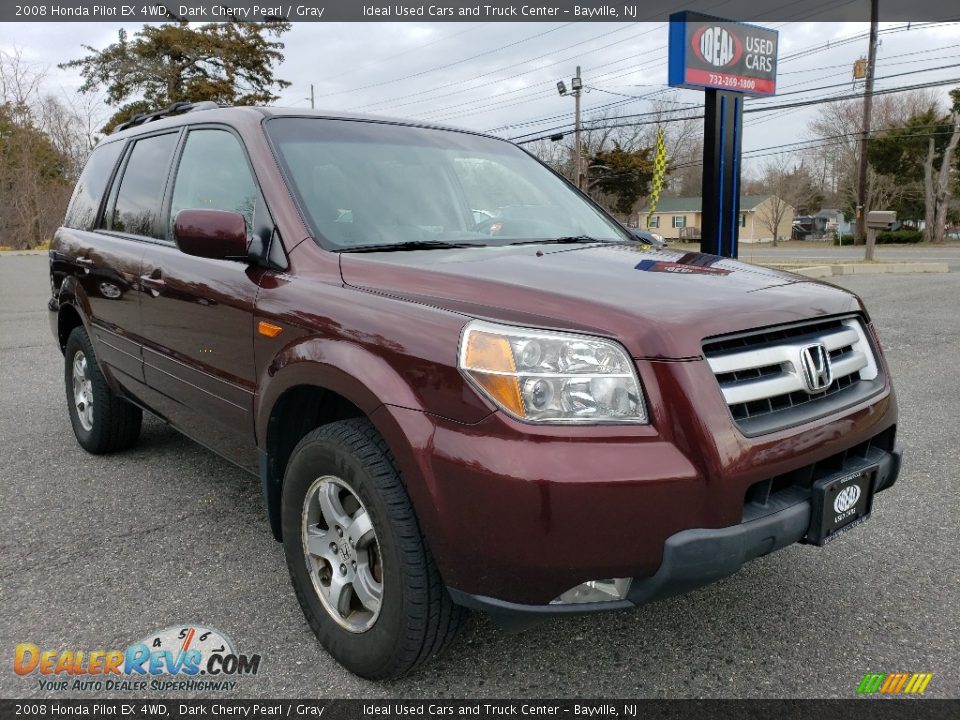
41, 153
789, 187
937, 192
555, 154
835, 158
771, 214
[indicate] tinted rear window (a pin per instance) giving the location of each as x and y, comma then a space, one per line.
82, 213
137, 209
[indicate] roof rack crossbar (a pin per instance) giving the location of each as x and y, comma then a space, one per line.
176, 108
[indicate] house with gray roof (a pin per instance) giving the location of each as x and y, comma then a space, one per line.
681, 218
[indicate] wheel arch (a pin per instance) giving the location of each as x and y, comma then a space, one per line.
337, 379
68, 319
73, 309
298, 410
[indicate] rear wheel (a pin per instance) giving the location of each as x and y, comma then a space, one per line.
358, 561
101, 421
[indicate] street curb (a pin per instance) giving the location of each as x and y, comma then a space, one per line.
822, 271
20, 253
817, 271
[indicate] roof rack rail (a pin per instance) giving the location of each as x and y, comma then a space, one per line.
177, 108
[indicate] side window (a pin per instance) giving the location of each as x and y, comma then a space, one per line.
137, 207
82, 212
214, 175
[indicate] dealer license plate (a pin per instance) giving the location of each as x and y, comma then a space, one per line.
840, 502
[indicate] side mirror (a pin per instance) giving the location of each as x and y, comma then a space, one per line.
214, 234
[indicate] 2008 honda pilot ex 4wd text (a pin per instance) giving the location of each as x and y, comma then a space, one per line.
461, 383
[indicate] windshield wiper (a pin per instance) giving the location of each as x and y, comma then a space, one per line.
411, 245
565, 240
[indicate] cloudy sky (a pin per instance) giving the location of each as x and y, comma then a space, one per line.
501, 77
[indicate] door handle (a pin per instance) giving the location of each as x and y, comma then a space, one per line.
85, 261
153, 282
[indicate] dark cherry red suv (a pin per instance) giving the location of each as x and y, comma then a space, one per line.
461, 383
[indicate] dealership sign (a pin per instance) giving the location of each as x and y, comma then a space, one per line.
708, 52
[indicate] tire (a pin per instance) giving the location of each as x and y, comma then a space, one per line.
108, 423
348, 462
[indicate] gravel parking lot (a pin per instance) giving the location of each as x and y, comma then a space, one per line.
99, 551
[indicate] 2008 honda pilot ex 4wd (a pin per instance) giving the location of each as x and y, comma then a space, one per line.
461, 383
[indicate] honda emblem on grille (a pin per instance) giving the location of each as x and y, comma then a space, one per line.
817, 371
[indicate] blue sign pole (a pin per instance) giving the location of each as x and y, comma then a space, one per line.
723, 129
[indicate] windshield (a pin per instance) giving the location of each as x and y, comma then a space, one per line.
367, 184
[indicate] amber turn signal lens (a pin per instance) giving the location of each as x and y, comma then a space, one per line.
268, 329
486, 351
487, 354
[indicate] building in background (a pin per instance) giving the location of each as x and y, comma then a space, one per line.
837, 223
681, 218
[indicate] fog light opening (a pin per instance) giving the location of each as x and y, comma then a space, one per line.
593, 591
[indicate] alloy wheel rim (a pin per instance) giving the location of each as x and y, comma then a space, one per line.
342, 553
82, 391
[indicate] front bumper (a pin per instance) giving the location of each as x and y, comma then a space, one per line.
695, 557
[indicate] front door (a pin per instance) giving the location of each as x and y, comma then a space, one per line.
197, 313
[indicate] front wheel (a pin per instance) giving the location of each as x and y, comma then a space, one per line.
101, 421
358, 562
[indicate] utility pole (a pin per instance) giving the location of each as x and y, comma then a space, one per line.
576, 89
311, 96
577, 85
861, 237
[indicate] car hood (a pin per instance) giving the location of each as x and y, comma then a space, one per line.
659, 304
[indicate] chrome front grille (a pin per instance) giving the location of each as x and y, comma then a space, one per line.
765, 385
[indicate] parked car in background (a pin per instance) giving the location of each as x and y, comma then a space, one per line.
461, 383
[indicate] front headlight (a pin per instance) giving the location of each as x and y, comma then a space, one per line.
552, 377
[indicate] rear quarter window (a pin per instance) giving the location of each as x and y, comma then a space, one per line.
85, 203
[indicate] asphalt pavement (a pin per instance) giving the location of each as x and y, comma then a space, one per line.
96, 552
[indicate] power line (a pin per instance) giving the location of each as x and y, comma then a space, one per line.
392, 103
471, 28
458, 83
535, 93
835, 140
801, 103
780, 94
803, 52
447, 65
761, 108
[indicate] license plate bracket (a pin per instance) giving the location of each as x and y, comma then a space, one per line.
839, 503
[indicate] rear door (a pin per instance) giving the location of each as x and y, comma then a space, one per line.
198, 313
106, 262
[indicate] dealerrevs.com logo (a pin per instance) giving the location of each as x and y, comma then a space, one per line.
180, 657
